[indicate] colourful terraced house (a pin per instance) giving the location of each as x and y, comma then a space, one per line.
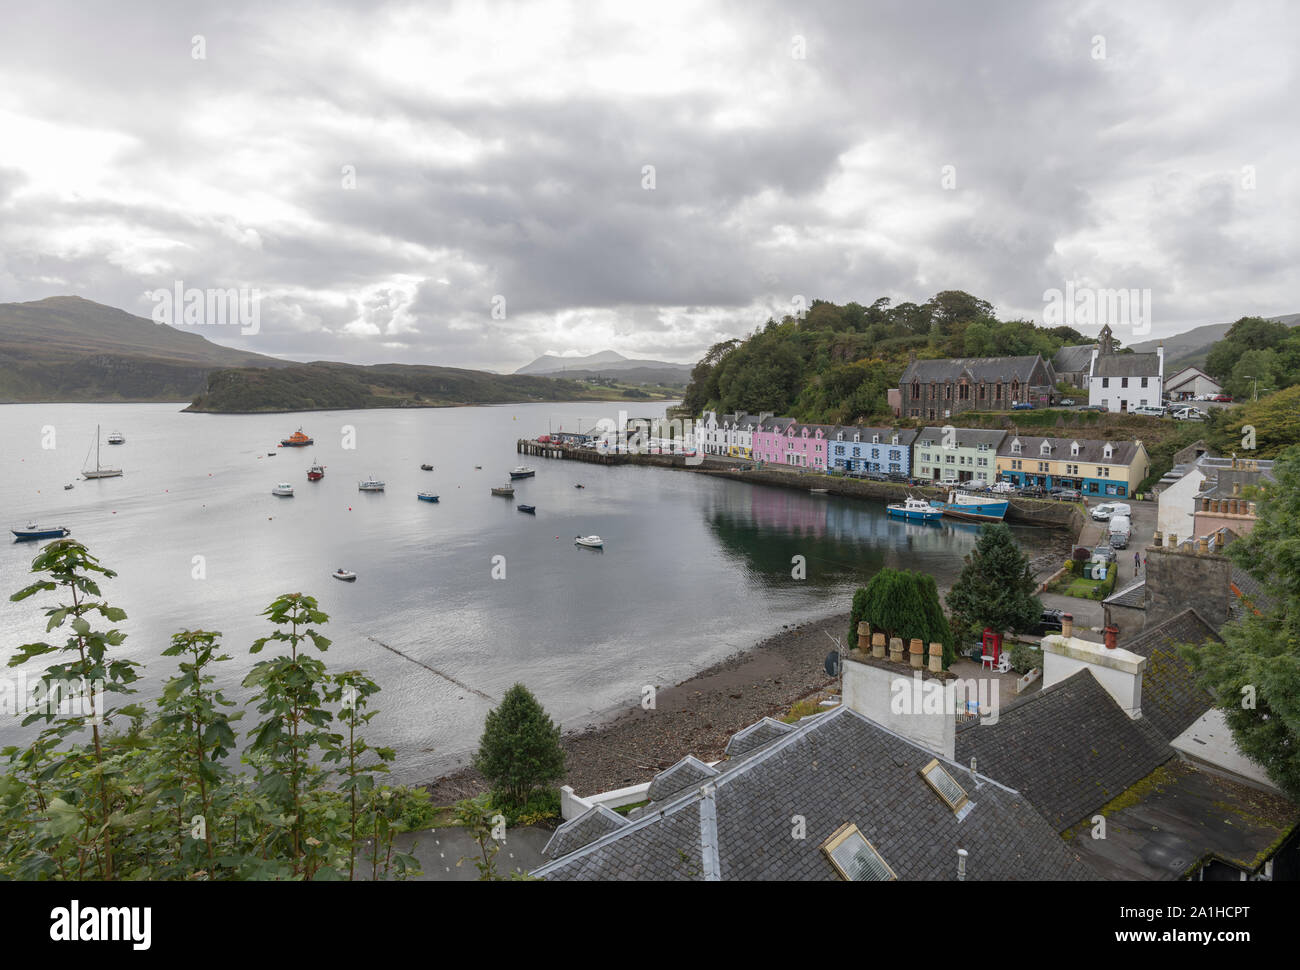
784, 441
1107, 468
883, 450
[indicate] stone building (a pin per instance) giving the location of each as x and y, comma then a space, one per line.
933, 390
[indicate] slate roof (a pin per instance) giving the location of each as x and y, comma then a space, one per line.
1068, 748
1127, 365
1171, 700
1091, 451
1249, 587
688, 772
831, 769
966, 437
989, 369
755, 736
1188, 374
1134, 595
905, 435
583, 829
1074, 358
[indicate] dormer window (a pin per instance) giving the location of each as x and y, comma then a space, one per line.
857, 436
1108, 452
875, 439
1015, 447
1074, 449
1045, 449
894, 440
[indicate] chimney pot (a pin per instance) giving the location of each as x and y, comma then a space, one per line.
961, 865
877, 645
864, 635
1112, 637
1202, 547
896, 649
1067, 624
1173, 540
915, 648
936, 657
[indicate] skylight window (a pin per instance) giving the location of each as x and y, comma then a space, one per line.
855, 858
945, 786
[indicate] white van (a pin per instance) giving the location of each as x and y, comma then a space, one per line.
1108, 510
1119, 531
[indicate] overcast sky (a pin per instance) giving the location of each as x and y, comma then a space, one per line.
499, 150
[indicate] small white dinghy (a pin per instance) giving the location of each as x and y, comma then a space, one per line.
591, 542
343, 574
284, 488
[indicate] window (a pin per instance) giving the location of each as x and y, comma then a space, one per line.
946, 787
856, 859
1123, 382
1105, 382
1144, 381
1042, 466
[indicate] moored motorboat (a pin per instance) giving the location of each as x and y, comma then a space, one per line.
316, 472
297, 440
580, 485
522, 471
532, 509
67, 486
371, 485
505, 491
34, 531
915, 509
426, 497
961, 505
591, 542
117, 438
345, 575
284, 489
426, 468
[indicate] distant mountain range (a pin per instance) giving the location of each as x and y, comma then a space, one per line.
65, 348
609, 363
1189, 349
68, 349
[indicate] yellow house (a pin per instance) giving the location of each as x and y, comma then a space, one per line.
1101, 468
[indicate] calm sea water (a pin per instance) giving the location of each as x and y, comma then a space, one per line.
694, 568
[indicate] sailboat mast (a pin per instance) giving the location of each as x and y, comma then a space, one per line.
96, 447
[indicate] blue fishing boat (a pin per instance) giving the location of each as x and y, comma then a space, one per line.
960, 505
914, 509
426, 497
34, 531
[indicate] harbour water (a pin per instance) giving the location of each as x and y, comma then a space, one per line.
694, 567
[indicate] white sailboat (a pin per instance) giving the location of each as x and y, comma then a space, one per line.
100, 471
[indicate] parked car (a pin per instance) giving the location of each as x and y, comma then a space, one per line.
1103, 553
1149, 410
1022, 405
1094, 407
1103, 512
1222, 398
1067, 402
1051, 621
898, 477
1003, 487
1188, 414
949, 482
1069, 495
1033, 491
1118, 531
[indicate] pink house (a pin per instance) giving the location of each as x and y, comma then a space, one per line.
783, 441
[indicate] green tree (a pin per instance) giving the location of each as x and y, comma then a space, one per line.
520, 748
901, 603
1254, 673
995, 588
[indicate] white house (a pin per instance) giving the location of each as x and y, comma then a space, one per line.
1189, 383
1176, 510
1122, 382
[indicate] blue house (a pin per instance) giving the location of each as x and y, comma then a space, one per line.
883, 450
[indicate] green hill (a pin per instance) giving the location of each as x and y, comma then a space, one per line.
68, 349
327, 386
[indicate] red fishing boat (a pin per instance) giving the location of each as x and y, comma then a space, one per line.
296, 440
315, 473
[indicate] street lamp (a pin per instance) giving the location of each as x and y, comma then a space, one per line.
1255, 394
